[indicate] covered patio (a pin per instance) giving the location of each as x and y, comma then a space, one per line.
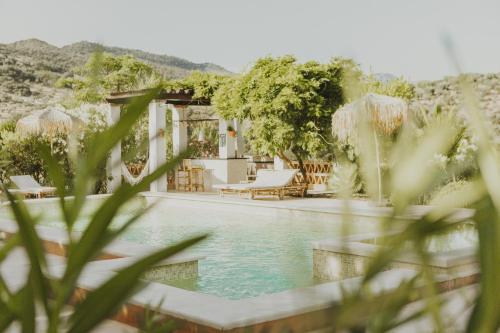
228, 167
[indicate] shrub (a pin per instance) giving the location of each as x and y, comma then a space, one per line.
20, 154
449, 191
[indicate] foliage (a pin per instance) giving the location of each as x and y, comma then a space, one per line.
410, 176
450, 190
23, 157
47, 293
205, 149
397, 87
203, 84
104, 73
459, 163
289, 104
134, 144
345, 176
208, 147
8, 126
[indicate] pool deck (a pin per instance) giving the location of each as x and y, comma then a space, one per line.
359, 207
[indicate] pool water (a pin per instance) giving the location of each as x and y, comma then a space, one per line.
251, 250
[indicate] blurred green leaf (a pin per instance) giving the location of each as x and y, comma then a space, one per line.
33, 247
105, 300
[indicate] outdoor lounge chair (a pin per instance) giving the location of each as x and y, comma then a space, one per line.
267, 182
29, 187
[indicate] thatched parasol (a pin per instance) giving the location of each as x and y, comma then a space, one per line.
386, 114
49, 122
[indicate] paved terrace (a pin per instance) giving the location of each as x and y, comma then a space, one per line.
359, 207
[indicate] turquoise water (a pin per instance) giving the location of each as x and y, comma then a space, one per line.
251, 250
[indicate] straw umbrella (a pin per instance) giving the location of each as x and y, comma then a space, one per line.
386, 114
49, 122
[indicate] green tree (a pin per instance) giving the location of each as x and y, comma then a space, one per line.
397, 87
104, 73
289, 104
203, 84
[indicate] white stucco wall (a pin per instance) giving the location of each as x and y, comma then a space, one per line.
222, 171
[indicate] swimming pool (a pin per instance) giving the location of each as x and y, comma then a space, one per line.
251, 250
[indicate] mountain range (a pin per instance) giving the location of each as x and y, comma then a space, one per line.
29, 69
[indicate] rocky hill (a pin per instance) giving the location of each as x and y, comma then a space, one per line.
447, 94
29, 69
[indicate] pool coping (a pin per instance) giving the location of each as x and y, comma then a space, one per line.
346, 206
215, 313
370, 210
358, 245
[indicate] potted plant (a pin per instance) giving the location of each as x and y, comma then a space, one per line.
231, 131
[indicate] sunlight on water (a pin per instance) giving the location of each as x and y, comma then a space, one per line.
251, 250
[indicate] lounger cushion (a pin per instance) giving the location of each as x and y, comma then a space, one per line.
25, 182
28, 185
266, 179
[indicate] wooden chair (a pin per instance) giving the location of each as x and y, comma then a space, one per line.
190, 177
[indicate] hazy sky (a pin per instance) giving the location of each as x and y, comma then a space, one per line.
393, 36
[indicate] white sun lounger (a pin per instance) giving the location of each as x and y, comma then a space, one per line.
28, 186
267, 182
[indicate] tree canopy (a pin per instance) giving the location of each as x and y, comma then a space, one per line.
104, 73
289, 104
203, 84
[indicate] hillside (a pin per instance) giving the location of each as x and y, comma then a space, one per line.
29, 69
447, 94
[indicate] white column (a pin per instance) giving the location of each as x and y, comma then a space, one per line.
226, 142
157, 144
179, 128
240, 140
113, 167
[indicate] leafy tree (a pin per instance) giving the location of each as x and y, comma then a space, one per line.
203, 84
289, 104
104, 73
397, 87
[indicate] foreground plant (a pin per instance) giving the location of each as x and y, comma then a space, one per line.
48, 295
412, 174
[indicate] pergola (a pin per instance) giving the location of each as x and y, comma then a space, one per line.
230, 166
